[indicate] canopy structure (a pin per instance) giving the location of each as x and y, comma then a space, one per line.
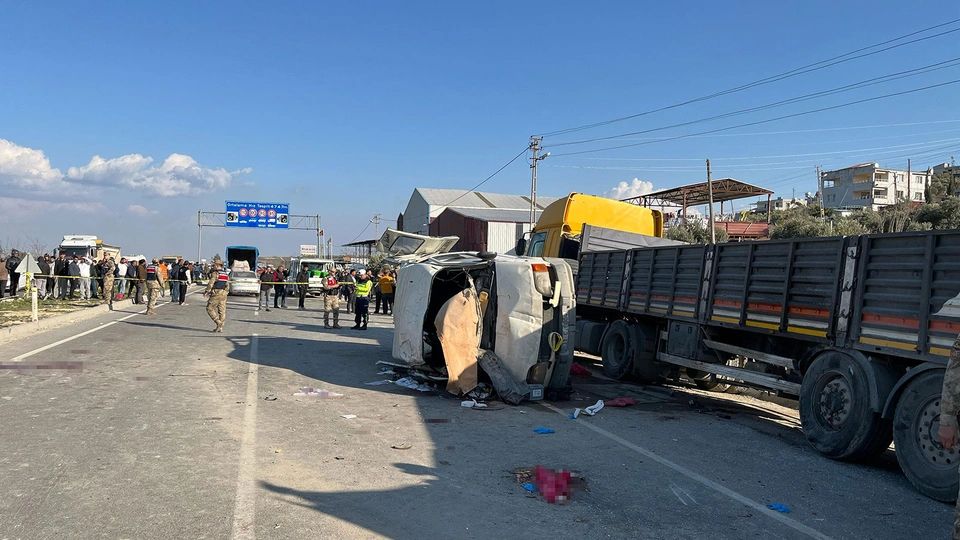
724, 189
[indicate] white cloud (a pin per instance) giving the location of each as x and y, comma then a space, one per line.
13, 209
140, 210
179, 174
26, 168
626, 190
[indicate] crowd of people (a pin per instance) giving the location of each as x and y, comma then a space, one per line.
69, 277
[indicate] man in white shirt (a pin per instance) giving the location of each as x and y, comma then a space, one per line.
121, 273
84, 265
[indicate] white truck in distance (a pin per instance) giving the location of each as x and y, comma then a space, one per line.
87, 245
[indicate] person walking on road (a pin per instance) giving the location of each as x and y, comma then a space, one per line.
154, 283
361, 307
267, 278
216, 294
13, 261
141, 280
183, 279
132, 280
107, 267
949, 407
303, 278
331, 300
280, 288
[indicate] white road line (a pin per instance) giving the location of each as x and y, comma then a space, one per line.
719, 488
81, 334
245, 507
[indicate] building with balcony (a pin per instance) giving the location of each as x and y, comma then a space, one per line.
867, 185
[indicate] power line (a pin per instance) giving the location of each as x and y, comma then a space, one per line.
822, 64
953, 62
361, 232
767, 121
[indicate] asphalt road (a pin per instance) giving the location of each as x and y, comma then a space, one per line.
128, 426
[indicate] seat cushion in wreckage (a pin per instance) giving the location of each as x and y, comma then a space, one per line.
458, 328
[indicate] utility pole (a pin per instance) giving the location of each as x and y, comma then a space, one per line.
820, 190
535, 149
713, 230
376, 225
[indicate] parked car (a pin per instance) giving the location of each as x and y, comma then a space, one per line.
244, 282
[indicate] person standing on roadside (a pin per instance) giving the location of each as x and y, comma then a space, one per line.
4, 276
107, 268
349, 287
386, 285
154, 282
61, 268
361, 307
141, 280
13, 261
74, 273
165, 275
216, 294
183, 279
331, 300
43, 280
267, 278
51, 280
174, 277
132, 280
84, 266
303, 279
280, 288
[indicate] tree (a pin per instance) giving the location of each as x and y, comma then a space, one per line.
941, 215
695, 232
942, 185
799, 225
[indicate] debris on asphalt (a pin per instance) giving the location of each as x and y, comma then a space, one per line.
271, 397
589, 411
540, 430
412, 384
579, 371
402, 446
779, 507
316, 392
348, 416
472, 404
556, 486
529, 486
620, 402
379, 383
482, 392
437, 421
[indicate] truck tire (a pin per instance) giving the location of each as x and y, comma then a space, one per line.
929, 467
835, 410
618, 350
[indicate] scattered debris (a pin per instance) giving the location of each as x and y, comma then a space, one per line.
316, 392
339, 458
402, 446
620, 402
412, 384
472, 404
589, 411
540, 430
348, 416
276, 451
779, 507
482, 392
437, 420
579, 371
529, 486
556, 486
509, 390
270, 397
379, 383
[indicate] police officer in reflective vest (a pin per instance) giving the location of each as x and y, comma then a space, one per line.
216, 294
154, 286
362, 294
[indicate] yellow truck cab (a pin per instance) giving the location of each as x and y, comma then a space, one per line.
561, 222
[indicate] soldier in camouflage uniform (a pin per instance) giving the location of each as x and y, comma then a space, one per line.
216, 294
949, 407
106, 297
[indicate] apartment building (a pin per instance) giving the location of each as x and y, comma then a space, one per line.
867, 185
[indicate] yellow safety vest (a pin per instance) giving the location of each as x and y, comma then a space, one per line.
364, 288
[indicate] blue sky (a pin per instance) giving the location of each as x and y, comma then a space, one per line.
343, 109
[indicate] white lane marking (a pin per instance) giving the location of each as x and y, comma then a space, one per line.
245, 507
719, 488
81, 334
682, 494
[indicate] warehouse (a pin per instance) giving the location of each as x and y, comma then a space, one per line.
483, 229
425, 204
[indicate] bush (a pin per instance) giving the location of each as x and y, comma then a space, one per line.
695, 232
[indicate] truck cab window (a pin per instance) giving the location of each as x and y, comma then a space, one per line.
537, 242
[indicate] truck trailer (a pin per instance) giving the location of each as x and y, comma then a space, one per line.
858, 328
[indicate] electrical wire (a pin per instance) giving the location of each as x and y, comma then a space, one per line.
766, 121
953, 62
822, 64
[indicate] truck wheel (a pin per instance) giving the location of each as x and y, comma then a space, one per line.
931, 468
835, 410
618, 350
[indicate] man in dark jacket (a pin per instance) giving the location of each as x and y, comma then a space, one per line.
267, 278
61, 269
132, 280
44, 289
13, 261
73, 271
183, 277
141, 280
174, 276
280, 289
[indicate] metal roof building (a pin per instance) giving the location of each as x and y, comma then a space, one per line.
483, 229
426, 204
